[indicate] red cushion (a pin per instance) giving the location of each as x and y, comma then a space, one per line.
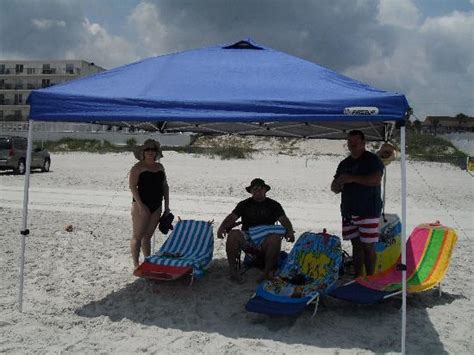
161, 272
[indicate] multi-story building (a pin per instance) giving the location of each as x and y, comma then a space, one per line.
19, 77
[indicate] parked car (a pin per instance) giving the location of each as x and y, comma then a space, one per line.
13, 155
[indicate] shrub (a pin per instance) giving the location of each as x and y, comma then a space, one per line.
131, 143
430, 148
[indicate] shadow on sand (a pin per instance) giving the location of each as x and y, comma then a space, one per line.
216, 305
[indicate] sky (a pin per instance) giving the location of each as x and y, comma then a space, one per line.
421, 48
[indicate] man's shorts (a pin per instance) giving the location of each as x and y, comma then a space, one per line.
365, 228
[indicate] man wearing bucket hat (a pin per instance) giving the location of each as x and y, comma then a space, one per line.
149, 187
254, 211
358, 177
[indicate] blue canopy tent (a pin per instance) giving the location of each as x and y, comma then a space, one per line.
241, 88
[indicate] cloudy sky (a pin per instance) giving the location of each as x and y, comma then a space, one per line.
422, 48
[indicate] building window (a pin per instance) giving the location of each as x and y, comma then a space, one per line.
45, 83
1, 115
2, 69
2, 83
18, 99
17, 114
30, 70
19, 68
18, 84
46, 69
69, 68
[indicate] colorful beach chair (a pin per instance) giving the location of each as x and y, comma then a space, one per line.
310, 270
187, 251
428, 250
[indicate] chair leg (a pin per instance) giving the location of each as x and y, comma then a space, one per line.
315, 307
439, 290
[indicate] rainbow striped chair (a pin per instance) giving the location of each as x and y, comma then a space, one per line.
428, 250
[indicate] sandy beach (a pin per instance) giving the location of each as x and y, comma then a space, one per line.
80, 295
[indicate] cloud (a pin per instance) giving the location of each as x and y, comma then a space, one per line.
38, 29
44, 24
145, 19
335, 34
432, 64
449, 41
399, 13
98, 46
389, 44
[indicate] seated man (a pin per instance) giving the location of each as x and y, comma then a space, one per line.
254, 211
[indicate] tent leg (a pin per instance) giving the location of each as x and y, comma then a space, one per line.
384, 188
24, 231
404, 231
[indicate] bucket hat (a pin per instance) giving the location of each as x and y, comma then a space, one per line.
148, 144
257, 182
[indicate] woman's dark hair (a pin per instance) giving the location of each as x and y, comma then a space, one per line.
356, 132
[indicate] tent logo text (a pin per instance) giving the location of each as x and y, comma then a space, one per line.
361, 111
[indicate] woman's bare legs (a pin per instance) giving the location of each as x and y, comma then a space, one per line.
139, 225
149, 230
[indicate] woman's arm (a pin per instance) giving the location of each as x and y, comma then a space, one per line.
132, 184
166, 194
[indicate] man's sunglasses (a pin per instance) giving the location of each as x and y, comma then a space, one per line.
149, 150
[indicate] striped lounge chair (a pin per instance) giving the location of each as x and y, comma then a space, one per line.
428, 249
187, 251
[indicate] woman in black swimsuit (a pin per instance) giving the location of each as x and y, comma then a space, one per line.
149, 187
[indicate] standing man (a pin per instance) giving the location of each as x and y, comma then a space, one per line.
255, 211
358, 177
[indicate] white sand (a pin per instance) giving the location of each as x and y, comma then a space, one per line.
80, 296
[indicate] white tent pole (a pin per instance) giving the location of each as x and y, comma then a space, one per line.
24, 231
384, 189
404, 234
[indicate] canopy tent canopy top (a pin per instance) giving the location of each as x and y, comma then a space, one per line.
243, 88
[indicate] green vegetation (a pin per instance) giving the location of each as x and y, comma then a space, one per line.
427, 147
223, 147
83, 145
224, 150
423, 147
131, 143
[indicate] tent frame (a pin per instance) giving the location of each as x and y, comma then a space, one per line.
25, 232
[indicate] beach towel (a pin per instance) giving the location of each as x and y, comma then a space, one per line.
310, 270
428, 253
188, 250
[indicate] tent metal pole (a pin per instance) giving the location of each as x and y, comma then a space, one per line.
24, 231
384, 189
404, 234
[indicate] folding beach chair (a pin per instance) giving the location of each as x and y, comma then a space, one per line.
187, 251
310, 270
428, 249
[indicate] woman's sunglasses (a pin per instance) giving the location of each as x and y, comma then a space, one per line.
149, 150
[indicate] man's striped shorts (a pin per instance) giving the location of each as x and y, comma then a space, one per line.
365, 228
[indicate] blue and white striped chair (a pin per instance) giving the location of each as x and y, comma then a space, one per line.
187, 251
